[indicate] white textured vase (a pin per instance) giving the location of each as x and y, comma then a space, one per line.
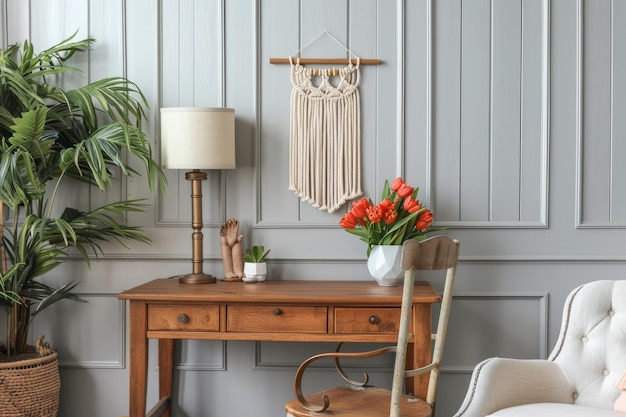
385, 264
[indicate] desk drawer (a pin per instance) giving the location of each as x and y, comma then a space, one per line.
277, 319
367, 320
184, 317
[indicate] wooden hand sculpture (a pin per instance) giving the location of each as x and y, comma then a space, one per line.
232, 252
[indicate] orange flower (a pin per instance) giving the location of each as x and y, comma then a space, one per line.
386, 204
424, 220
385, 223
390, 216
397, 183
405, 190
359, 209
375, 213
411, 205
348, 221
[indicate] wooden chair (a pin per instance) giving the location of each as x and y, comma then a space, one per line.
362, 400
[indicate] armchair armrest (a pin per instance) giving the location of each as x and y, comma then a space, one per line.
499, 383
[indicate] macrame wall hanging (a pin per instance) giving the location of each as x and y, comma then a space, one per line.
325, 131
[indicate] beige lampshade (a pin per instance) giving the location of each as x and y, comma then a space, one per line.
197, 138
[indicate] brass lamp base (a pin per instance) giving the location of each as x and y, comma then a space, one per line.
197, 279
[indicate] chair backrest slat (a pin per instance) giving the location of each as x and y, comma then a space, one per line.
436, 253
439, 252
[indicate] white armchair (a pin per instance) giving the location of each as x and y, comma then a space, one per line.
578, 379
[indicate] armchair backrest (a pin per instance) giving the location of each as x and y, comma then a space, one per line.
591, 347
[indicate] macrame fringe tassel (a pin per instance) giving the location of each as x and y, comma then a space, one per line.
325, 146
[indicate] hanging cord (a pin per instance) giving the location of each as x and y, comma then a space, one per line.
333, 38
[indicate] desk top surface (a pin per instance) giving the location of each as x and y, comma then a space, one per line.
286, 291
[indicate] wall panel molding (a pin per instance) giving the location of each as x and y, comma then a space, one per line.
117, 359
502, 182
541, 330
600, 104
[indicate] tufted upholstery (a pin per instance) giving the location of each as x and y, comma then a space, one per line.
591, 349
581, 373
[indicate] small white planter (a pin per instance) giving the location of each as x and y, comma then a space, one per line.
253, 272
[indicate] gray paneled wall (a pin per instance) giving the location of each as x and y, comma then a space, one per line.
508, 114
490, 148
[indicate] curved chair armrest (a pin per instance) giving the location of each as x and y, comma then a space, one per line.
499, 383
297, 384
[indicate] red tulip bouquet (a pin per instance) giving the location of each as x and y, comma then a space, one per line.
397, 218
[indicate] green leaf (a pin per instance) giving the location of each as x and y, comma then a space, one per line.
255, 254
48, 134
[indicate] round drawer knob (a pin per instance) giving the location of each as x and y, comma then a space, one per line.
373, 319
277, 311
183, 318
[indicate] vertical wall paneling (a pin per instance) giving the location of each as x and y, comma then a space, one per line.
601, 94
475, 75
69, 17
491, 106
446, 105
579, 112
463, 106
596, 112
384, 162
17, 21
534, 126
400, 88
505, 144
379, 86
68, 20
107, 59
618, 108
276, 204
4, 27
242, 71
142, 53
192, 75
418, 112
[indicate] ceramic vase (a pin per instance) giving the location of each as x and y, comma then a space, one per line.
385, 264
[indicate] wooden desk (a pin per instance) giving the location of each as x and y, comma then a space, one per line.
288, 311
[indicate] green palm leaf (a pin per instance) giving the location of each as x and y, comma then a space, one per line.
48, 134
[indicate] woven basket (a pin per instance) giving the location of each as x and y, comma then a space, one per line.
30, 388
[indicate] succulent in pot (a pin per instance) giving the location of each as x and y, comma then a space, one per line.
255, 266
52, 138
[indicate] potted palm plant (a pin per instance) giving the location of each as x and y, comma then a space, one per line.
49, 138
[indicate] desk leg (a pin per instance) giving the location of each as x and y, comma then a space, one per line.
138, 358
409, 383
422, 349
166, 370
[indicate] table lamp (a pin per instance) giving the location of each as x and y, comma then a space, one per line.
197, 138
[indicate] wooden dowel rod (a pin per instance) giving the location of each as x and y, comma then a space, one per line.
328, 61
